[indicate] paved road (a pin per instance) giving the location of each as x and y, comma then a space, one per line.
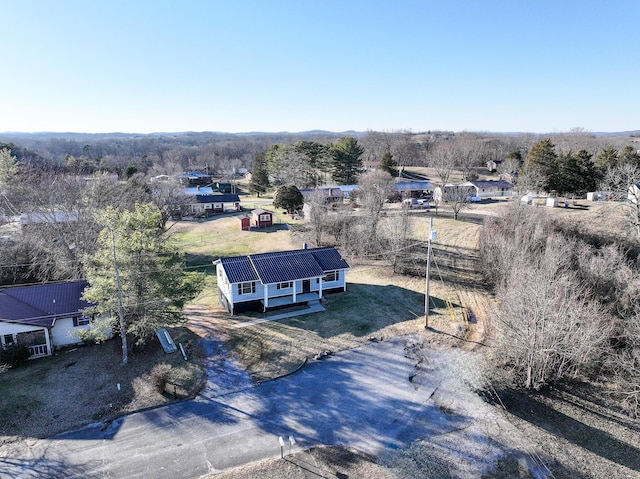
362, 398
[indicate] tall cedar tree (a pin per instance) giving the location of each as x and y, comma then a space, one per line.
153, 284
347, 160
543, 158
607, 158
317, 155
388, 164
259, 177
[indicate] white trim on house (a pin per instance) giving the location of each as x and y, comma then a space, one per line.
292, 284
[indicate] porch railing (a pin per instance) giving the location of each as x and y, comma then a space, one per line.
37, 350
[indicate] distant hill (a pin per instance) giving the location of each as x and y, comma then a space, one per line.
75, 136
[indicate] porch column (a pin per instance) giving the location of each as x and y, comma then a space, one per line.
48, 341
294, 291
266, 296
320, 289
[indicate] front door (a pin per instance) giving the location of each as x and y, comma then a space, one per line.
306, 285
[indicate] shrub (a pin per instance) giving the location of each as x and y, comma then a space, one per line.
14, 354
160, 376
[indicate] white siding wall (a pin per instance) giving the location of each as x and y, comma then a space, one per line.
237, 298
492, 192
223, 282
61, 332
340, 283
273, 291
12, 328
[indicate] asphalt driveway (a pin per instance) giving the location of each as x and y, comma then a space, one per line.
363, 398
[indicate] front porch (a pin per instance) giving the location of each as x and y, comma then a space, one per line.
281, 301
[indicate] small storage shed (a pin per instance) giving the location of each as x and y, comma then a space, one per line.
262, 218
245, 222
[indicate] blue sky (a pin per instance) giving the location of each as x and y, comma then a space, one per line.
239, 66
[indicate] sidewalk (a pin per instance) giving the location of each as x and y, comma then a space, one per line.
313, 308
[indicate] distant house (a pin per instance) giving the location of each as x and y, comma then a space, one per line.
204, 202
476, 190
492, 188
370, 165
262, 218
456, 192
42, 316
47, 218
222, 187
195, 178
332, 194
271, 280
493, 165
414, 189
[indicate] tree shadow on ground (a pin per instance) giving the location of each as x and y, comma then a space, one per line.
533, 409
202, 263
362, 310
270, 229
42, 468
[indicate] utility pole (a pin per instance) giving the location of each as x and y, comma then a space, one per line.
123, 329
432, 236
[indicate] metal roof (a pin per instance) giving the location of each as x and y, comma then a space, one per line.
283, 266
41, 304
239, 269
217, 199
492, 184
329, 258
260, 211
195, 191
413, 185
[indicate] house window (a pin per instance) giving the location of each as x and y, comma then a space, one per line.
285, 285
332, 276
247, 288
265, 217
8, 339
81, 321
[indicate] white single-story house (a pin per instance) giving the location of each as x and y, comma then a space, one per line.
204, 201
457, 191
43, 317
332, 194
271, 280
476, 190
492, 188
493, 165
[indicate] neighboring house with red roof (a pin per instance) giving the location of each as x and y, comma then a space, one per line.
271, 280
42, 316
262, 218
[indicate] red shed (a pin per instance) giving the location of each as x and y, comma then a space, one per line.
262, 218
245, 222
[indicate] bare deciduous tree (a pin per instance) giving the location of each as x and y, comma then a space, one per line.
315, 208
550, 329
621, 183
397, 228
455, 197
375, 189
443, 160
